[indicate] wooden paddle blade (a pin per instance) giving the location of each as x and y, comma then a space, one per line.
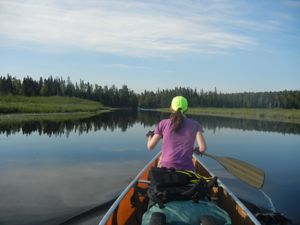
242, 170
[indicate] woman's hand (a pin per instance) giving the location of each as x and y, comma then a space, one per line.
150, 133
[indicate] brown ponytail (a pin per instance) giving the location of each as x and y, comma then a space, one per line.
177, 119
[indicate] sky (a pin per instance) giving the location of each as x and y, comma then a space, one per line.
231, 45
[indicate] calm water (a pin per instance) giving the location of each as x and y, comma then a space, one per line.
50, 171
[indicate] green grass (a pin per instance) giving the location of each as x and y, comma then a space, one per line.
55, 117
16, 109
280, 115
53, 104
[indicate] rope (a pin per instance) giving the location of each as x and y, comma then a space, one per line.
269, 200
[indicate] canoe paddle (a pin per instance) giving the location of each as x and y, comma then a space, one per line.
242, 170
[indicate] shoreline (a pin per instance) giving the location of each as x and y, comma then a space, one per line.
57, 116
275, 115
17, 109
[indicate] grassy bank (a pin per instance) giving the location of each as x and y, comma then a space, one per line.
280, 115
53, 104
16, 109
55, 117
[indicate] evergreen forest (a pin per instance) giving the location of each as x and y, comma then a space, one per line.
125, 98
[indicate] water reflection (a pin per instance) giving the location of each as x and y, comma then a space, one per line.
126, 119
212, 122
86, 161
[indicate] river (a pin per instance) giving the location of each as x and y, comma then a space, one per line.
52, 171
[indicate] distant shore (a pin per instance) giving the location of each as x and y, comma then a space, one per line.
52, 104
279, 115
31, 117
54, 108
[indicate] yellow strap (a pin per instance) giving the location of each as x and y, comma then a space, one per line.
184, 172
191, 174
198, 175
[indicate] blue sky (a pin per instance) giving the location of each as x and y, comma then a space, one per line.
231, 45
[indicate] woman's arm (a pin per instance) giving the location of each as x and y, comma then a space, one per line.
152, 141
201, 142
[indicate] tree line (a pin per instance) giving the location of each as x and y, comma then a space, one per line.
109, 96
124, 97
196, 98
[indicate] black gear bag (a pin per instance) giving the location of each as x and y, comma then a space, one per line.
168, 185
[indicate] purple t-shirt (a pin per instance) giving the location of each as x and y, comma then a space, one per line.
177, 147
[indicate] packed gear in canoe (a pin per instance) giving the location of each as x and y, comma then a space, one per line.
178, 197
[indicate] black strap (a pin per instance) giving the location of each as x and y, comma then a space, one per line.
134, 200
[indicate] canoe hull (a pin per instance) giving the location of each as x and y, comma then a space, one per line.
122, 212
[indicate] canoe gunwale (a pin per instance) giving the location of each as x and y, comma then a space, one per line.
232, 195
122, 195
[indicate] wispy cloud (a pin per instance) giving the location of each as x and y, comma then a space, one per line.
293, 3
136, 28
124, 66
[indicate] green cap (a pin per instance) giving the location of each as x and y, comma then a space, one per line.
179, 102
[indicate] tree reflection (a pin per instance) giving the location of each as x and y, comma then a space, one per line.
213, 123
125, 119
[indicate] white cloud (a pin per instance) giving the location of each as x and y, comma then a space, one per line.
124, 27
124, 66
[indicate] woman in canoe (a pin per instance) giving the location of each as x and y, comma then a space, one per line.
179, 134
